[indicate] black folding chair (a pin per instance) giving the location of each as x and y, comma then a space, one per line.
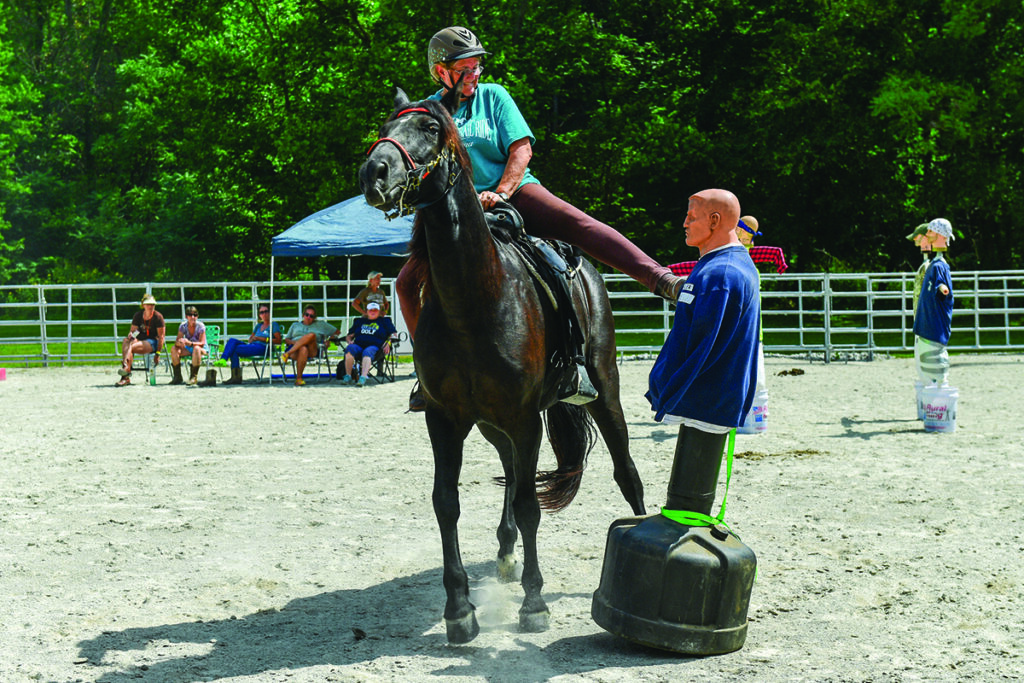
384, 362
382, 368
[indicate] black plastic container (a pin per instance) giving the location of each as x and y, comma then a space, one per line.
675, 587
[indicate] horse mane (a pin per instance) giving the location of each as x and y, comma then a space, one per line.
449, 138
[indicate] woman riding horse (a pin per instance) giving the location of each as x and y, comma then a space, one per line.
499, 142
485, 337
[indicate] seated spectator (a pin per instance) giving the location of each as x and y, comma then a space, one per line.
365, 338
191, 341
145, 336
371, 293
255, 345
304, 339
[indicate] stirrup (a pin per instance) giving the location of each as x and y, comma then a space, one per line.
577, 388
417, 401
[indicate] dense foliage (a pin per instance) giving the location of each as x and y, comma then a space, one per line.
171, 140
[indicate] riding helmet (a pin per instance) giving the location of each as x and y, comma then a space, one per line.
452, 44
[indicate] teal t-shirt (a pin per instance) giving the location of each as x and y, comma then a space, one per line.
488, 123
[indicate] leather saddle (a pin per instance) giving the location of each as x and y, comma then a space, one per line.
554, 267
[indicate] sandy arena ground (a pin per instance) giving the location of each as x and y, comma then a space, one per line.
262, 533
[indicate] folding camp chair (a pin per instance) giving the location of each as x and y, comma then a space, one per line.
321, 360
267, 358
213, 348
144, 362
382, 368
386, 360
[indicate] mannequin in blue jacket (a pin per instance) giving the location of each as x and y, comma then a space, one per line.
705, 376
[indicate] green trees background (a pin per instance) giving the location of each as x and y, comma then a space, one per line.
171, 140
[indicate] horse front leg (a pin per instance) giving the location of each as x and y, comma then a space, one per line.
446, 439
507, 533
533, 615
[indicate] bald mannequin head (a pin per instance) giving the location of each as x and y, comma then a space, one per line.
711, 220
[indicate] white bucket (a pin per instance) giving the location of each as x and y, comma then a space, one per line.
939, 408
918, 387
756, 420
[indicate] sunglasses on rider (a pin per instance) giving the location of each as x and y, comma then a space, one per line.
466, 73
264, 310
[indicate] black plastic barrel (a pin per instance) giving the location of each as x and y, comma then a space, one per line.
675, 587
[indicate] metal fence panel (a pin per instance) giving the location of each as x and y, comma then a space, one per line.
819, 313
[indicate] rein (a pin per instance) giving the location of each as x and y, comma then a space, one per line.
415, 175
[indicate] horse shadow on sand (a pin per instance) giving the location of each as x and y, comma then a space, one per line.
392, 620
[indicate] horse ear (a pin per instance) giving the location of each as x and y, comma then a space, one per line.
452, 96
401, 99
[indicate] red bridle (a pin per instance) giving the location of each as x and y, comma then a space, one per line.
415, 175
406, 157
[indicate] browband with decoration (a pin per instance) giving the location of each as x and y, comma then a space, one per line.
412, 110
405, 155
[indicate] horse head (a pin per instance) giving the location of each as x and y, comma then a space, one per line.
417, 157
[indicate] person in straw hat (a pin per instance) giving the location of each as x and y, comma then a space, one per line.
145, 336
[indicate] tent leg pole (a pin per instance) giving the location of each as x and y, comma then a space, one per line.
270, 365
348, 292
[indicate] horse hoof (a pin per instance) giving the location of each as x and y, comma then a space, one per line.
507, 568
462, 630
534, 622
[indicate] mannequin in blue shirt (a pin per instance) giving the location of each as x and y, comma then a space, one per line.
705, 376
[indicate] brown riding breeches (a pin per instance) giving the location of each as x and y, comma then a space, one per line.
548, 217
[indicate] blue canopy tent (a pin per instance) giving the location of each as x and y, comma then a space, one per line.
351, 228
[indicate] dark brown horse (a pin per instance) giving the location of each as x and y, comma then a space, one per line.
484, 338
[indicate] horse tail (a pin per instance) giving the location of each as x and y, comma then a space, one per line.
572, 435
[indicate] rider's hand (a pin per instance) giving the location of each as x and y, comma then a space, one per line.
489, 199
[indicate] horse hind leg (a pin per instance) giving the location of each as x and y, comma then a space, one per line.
534, 616
507, 536
606, 410
507, 533
521, 509
607, 413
